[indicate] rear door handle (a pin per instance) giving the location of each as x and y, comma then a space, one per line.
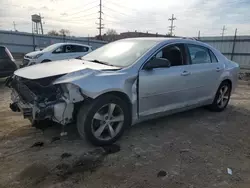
218, 69
185, 73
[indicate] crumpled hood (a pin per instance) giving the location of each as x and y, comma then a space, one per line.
55, 68
32, 54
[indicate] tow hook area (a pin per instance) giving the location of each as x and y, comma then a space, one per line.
45, 112
14, 107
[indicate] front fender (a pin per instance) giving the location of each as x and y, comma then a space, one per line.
94, 83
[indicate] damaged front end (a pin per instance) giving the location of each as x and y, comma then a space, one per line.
40, 99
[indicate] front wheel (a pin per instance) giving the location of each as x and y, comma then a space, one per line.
104, 120
222, 97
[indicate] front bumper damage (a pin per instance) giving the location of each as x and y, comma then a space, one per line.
44, 102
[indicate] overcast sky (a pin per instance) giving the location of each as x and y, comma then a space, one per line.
80, 16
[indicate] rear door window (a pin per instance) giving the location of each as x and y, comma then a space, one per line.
198, 54
78, 48
213, 57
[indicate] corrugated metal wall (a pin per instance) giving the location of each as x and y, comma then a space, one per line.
241, 51
18, 42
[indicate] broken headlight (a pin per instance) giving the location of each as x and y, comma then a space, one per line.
72, 92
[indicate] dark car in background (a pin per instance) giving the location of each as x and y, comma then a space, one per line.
7, 62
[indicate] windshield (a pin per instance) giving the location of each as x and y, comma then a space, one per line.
51, 47
121, 53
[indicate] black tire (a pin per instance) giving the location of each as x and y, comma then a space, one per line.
46, 61
215, 106
87, 112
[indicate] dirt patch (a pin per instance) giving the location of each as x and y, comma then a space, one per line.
190, 149
33, 174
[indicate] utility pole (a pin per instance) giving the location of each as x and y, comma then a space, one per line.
171, 28
223, 31
14, 25
100, 20
199, 35
235, 35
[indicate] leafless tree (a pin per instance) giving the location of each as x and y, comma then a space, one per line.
53, 33
111, 34
64, 32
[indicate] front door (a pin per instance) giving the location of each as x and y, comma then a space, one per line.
166, 88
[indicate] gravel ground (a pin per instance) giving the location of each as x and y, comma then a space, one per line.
188, 150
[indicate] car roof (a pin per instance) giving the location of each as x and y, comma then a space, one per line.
166, 40
163, 39
71, 43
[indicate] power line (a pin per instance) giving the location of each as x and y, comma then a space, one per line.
171, 27
81, 5
83, 15
84, 10
120, 5
116, 11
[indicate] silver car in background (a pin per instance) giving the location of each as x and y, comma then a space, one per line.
123, 83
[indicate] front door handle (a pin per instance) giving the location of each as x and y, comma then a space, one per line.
185, 73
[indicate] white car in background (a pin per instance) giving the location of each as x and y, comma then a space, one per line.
58, 51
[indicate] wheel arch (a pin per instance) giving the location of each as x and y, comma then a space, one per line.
119, 94
45, 60
228, 81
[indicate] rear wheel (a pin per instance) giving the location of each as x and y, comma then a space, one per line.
222, 97
104, 120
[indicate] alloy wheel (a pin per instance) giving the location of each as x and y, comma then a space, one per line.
107, 121
224, 95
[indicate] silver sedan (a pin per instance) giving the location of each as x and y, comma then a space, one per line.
123, 83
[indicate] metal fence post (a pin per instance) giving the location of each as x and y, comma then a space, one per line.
63, 37
232, 54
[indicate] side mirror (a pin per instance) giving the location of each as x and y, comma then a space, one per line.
157, 63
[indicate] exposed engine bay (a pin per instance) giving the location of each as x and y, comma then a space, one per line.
40, 99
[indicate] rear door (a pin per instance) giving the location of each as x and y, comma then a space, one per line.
204, 73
